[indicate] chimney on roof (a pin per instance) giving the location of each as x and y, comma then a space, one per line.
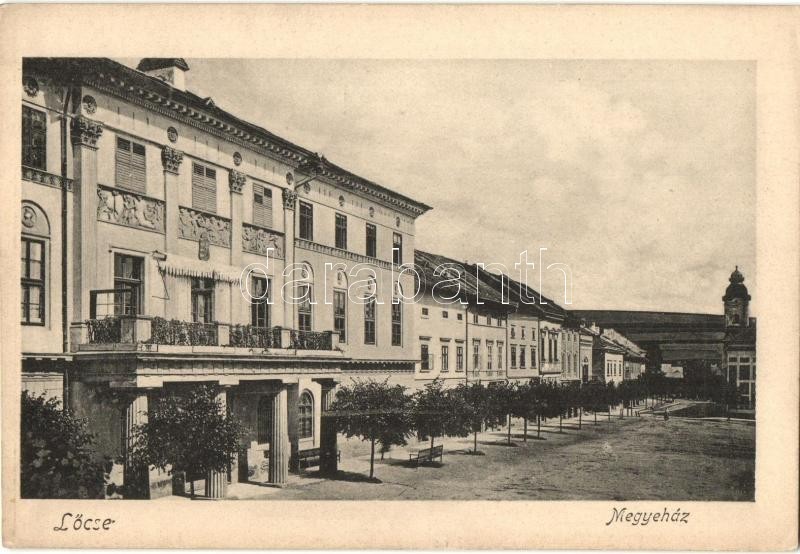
169, 70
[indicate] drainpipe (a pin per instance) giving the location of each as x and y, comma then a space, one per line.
64, 232
467, 351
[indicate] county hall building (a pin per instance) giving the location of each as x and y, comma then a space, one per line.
160, 235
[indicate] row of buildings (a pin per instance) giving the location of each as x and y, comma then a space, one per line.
161, 236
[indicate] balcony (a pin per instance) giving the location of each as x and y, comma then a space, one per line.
127, 332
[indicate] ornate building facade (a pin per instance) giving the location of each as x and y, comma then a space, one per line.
166, 242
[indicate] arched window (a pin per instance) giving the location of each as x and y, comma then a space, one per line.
305, 416
264, 415
35, 238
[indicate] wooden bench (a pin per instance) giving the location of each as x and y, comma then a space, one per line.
426, 455
312, 457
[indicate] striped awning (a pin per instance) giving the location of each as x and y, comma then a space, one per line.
180, 266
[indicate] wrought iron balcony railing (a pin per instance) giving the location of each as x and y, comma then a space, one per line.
311, 340
250, 336
185, 333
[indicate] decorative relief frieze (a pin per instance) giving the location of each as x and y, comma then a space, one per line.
45, 178
193, 225
130, 209
236, 180
171, 159
85, 131
258, 240
289, 199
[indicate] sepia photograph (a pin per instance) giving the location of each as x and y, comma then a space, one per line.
210, 309
273, 280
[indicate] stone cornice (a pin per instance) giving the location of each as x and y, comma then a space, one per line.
44, 178
339, 253
231, 129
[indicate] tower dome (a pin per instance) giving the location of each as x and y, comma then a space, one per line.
736, 288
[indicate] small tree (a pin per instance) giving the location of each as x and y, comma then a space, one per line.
56, 455
504, 400
438, 412
373, 411
478, 408
187, 432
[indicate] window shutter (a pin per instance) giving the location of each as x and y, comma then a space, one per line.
204, 188
262, 206
130, 165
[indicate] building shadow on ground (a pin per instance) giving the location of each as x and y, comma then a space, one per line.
340, 475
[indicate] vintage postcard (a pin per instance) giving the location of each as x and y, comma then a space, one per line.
375, 277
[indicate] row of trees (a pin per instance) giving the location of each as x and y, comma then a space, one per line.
386, 415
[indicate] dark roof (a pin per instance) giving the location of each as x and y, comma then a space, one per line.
643, 321
471, 288
541, 306
736, 289
149, 64
120, 80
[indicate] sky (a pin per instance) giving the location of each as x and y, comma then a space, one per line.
638, 175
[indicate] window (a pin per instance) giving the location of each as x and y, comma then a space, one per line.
259, 302
445, 315
397, 249
489, 353
32, 282
340, 314
476, 355
513, 356
131, 171
459, 358
262, 206
513, 331
305, 416
264, 427
425, 364
202, 300
541, 346
499, 355
488, 320
128, 274
499, 321
744, 372
204, 188
475, 319
306, 221
424, 312
341, 231
34, 138
304, 292
533, 356
522, 330
460, 317
522, 357
397, 324
372, 241
369, 321
445, 358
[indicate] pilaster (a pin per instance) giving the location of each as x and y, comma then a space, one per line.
171, 160
236, 183
289, 214
84, 135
